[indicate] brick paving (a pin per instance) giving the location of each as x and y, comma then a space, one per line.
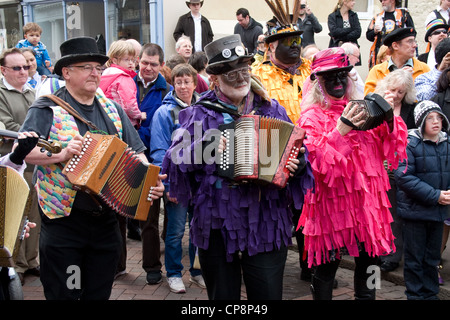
132, 286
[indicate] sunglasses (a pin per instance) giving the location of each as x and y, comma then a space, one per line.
18, 68
335, 75
436, 32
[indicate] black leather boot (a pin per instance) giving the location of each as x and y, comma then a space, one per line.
322, 290
362, 292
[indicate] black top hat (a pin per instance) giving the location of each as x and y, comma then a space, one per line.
226, 54
398, 34
435, 24
81, 49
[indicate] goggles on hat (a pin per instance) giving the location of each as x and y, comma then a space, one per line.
291, 41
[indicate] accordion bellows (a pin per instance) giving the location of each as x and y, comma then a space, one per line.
107, 168
258, 148
14, 207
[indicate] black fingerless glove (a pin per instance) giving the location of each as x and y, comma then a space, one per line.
301, 165
23, 149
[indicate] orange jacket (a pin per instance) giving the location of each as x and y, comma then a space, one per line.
379, 71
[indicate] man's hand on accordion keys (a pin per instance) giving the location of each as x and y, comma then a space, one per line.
74, 147
157, 192
296, 166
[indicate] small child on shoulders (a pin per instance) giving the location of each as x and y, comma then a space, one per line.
32, 34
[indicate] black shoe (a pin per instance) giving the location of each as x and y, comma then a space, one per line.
134, 234
388, 266
34, 271
154, 277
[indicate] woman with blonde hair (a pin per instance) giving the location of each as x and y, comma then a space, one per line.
344, 25
117, 80
399, 85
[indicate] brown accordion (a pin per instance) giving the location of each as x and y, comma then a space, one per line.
14, 207
107, 168
258, 148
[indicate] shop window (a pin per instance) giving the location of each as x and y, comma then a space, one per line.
49, 17
10, 27
129, 19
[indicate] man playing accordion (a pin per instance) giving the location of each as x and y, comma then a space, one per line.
80, 240
234, 225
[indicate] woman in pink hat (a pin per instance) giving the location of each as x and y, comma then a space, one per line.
349, 209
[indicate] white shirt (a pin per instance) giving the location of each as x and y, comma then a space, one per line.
431, 61
198, 32
432, 15
25, 87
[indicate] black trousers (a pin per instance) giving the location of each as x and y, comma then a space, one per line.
324, 274
79, 255
262, 273
151, 252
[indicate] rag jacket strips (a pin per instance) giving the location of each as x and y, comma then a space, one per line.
250, 217
350, 206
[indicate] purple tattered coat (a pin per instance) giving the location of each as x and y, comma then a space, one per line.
250, 217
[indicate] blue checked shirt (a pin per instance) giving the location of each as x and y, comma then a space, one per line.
426, 84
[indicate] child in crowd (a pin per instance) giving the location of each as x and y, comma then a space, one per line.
117, 80
423, 194
32, 34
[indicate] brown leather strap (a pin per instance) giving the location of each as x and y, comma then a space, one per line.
63, 104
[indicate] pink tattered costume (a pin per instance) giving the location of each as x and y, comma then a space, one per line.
349, 207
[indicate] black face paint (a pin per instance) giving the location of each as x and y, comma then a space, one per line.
335, 83
288, 52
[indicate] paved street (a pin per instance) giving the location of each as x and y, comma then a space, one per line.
132, 286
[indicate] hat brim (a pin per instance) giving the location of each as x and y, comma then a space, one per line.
440, 26
188, 3
277, 36
334, 70
71, 59
225, 66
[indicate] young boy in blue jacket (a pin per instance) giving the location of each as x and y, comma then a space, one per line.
32, 34
422, 197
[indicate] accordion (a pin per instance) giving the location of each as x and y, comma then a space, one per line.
258, 148
14, 207
107, 168
376, 111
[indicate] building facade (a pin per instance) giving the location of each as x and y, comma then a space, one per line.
155, 20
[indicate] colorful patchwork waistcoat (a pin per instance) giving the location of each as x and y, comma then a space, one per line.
55, 193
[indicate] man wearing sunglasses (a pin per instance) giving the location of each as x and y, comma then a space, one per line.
437, 30
16, 96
